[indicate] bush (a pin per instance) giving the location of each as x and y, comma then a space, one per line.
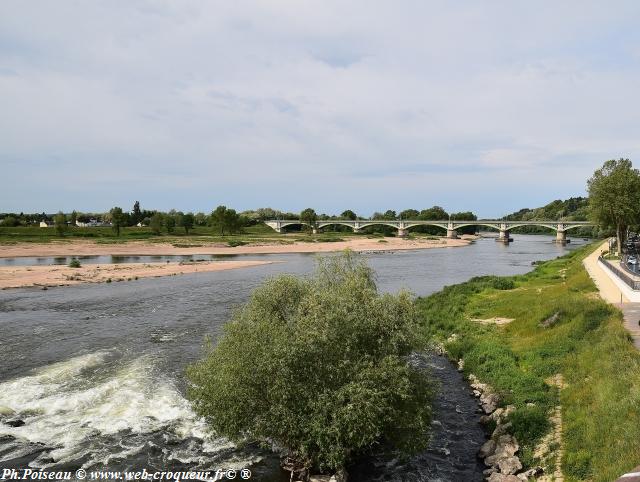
319, 366
503, 284
235, 242
75, 263
529, 423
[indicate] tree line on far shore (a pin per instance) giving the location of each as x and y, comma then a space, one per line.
227, 220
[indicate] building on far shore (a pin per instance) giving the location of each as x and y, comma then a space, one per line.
92, 223
43, 224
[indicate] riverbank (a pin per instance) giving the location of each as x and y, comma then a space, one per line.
564, 363
139, 248
47, 276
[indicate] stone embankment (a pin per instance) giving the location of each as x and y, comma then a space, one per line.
499, 453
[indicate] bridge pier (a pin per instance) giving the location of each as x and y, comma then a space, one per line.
403, 232
561, 237
503, 237
314, 230
452, 234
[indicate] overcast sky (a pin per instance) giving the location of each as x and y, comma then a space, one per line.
488, 106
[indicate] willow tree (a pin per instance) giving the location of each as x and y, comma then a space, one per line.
614, 197
319, 366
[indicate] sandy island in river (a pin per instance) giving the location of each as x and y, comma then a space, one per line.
23, 276
56, 275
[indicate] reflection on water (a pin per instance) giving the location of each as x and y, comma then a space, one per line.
92, 375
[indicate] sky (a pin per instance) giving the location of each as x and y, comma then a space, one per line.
488, 106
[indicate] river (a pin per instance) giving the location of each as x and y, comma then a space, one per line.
92, 375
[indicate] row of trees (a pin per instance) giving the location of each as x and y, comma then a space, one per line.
227, 220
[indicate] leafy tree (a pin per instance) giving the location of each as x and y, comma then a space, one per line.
390, 214
117, 219
136, 213
614, 196
409, 214
187, 221
170, 223
349, 214
60, 223
465, 216
319, 366
435, 213
200, 219
10, 222
226, 219
73, 218
155, 223
309, 216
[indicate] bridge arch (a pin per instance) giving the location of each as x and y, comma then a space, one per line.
543, 225
322, 224
579, 226
364, 224
437, 225
489, 225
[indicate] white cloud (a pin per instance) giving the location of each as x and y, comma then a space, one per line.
330, 104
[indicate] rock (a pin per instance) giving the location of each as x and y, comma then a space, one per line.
497, 477
460, 365
501, 429
551, 320
340, 476
488, 448
489, 402
497, 414
489, 471
506, 445
531, 473
6, 411
510, 465
485, 419
15, 423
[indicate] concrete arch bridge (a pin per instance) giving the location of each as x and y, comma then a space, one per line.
451, 227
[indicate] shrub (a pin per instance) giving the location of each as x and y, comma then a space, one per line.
503, 284
235, 242
319, 366
529, 423
75, 263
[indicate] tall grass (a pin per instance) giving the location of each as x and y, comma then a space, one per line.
585, 342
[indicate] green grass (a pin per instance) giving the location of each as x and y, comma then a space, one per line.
587, 345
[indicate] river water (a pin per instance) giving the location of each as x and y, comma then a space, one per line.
92, 375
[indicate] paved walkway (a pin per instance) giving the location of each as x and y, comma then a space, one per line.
633, 476
610, 292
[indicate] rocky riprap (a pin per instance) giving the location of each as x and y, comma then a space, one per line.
499, 453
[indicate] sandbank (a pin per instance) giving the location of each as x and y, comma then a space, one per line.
45, 276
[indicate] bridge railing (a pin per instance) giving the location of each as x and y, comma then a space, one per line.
633, 283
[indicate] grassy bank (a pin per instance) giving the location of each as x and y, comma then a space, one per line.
560, 326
